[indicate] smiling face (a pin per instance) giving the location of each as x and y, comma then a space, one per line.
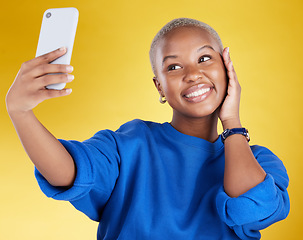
190, 72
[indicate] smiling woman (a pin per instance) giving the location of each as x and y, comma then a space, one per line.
177, 180
190, 73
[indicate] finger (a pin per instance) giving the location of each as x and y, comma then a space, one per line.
50, 93
226, 57
234, 84
229, 65
51, 56
227, 60
231, 71
52, 79
50, 68
46, 58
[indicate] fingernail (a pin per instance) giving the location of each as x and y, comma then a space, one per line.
227, 49
69, 68
70, 77
62, 48
68, 90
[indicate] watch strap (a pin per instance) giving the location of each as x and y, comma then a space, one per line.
229, 132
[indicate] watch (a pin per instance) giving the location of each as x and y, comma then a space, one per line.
229, 132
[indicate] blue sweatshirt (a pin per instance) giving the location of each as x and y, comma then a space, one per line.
149, 181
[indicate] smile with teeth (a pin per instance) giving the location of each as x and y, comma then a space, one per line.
198, 93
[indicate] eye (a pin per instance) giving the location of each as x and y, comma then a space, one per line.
173, 67
204, 59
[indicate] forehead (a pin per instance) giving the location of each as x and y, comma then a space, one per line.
185, 38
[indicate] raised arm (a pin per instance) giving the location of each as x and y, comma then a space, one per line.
242, 171
27, 91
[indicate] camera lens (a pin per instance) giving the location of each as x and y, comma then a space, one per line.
48, 15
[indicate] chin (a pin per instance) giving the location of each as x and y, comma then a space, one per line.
201, 112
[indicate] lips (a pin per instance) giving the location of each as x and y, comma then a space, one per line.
198, 92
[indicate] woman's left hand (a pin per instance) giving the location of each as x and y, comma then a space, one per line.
229, 112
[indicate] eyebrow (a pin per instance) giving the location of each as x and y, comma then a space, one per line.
175, 56
205, 46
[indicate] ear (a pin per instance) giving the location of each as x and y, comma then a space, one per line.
158, 86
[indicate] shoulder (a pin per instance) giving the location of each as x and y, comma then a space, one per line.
263, 154
137, 126
131, 135
260, 150
267, 159
129, 131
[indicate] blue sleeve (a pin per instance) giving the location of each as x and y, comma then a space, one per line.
262, 205
97, 163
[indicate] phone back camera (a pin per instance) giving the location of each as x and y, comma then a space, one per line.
48, 15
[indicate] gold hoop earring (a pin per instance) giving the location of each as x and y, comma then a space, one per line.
162, 99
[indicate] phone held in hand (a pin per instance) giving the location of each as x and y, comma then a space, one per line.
58, 29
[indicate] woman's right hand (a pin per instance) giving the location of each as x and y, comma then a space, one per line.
28, 89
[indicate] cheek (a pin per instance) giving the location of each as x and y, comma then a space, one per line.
169, 85
219, 77
170, 89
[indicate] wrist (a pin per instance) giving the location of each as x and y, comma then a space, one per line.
231, 123
13, 109
17, 114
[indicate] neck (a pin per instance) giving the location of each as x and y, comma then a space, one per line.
204, 127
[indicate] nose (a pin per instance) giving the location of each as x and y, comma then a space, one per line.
192, 74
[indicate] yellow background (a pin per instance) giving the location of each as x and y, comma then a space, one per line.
113, 84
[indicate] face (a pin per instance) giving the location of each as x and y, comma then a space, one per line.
190, 72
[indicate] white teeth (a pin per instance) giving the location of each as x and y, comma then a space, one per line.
197, 93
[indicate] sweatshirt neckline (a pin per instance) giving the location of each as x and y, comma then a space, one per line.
191, 140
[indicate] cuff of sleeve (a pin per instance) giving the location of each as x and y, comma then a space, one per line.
256, 204
83, 181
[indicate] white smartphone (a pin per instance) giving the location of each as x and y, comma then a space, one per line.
58, 29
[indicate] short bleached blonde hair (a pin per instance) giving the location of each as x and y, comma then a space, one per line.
180, 22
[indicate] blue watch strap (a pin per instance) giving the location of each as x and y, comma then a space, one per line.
229, 132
